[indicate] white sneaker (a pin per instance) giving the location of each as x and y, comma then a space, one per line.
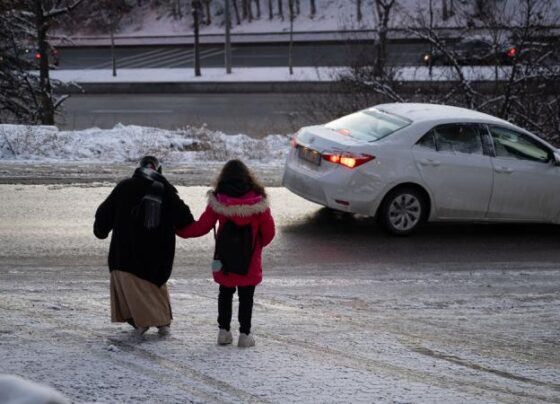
164, 330
224, 337
245, 341
139, 331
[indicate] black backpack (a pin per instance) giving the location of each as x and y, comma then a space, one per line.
234, 248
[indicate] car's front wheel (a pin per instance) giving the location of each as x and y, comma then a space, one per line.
403, 210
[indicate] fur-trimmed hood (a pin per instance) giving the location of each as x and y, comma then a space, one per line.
247, 205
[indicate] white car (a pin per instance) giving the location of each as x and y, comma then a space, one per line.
407, 163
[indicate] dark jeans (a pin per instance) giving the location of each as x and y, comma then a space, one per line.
245, 307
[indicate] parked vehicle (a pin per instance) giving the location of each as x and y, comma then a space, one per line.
407, 163
473, 51
34, 56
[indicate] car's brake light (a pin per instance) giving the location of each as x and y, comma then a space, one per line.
293, 140
37, 55
512, 52
348, 160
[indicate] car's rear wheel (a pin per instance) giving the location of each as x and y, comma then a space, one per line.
403, 210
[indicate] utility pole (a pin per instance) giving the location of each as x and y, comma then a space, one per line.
228, 38
196, 17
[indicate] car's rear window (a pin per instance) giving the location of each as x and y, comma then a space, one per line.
369, 125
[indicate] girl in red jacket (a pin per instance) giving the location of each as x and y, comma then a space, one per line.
239, 198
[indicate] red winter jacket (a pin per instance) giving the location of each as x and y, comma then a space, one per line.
250, 208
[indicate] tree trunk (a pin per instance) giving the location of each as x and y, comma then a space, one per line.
280, 10
313, 9
359, 10
207, 12
444, 10
297, 7
383, 9
258, 2
244, 9
270, 11
46, 106
250, 10
236, 9
113, 57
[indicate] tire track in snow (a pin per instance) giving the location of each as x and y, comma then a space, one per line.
372, 365
223, 390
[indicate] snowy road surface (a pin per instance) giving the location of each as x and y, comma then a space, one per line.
459, 313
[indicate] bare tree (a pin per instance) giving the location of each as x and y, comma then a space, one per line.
44, 13
312, 8
280, 10
382, 13
258, 4
444, 10
236, 10
297, 7
270, 10
176, 9
359, 10
525, 73
207, 12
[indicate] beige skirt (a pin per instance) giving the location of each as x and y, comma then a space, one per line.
138, 302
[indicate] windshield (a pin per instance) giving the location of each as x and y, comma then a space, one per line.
369, 125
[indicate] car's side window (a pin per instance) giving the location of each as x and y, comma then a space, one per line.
458, 138
428, 141
512, 144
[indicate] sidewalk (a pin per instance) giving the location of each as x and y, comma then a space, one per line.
253, 79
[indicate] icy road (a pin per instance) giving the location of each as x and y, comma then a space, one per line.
457, 313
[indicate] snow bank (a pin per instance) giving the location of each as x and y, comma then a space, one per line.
15, 390
129, 143
158, 75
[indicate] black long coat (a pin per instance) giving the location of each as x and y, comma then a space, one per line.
147, 254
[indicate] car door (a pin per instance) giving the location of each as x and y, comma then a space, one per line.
454, 165
526, 178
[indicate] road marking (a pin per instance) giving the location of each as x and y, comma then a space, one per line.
178, 63
125, 60
186, 57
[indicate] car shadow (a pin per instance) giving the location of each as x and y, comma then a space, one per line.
355, 237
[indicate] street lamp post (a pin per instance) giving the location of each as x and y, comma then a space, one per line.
228, 38
196, 14
290, 49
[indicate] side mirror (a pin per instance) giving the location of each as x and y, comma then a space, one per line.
557, 158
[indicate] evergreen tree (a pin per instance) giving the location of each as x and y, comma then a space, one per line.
19, 87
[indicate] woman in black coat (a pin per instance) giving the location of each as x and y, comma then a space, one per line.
143, 212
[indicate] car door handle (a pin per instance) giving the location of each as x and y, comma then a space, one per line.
430, 162
505, 170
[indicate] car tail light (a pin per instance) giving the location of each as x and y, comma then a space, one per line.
293, 140
511, 52
348, 160
37, 55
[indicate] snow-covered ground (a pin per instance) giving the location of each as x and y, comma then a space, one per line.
331, 326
